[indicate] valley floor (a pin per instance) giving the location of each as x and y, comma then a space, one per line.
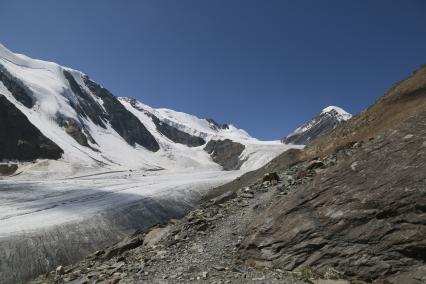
202, 247
45, 223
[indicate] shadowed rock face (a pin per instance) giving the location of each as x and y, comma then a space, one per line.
15, 86
171, 132
125, 123
226, 153
176, 135
19, 139
87, 107
215, 125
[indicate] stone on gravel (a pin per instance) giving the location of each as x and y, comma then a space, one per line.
271, 177
126, 244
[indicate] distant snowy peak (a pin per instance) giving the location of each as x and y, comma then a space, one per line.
327, 120
337, 112
191, 124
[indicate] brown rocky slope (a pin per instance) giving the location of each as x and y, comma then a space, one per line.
365, 215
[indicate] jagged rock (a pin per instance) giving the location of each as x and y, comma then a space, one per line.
8, 169
20, 140
177, 135
20, 92
126, 244
155, 235
223, 197
73, 129
60, 270
247, 195
214, 125
271, 177
315, 164
226, 153
124, 122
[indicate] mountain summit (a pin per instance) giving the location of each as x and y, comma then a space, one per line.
327, 120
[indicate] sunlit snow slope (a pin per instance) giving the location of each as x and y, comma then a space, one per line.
98, 131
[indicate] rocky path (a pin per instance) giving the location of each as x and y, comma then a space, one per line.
200, 247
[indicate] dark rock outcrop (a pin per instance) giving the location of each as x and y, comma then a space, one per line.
19, 139
215, 125
122, 121
74, 129
226, 153
177, 135
171, 132
87, 107
271, 177
7, 170
21, 93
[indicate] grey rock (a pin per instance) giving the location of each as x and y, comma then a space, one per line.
225, 153
271, 177
126, 244
20, 139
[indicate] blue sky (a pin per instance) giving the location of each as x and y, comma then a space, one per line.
266, 66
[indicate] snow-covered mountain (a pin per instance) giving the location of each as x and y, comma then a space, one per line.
56, 119
327, 120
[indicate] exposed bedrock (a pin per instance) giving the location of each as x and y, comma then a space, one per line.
170, 131
215, 125
124, 122
364, 216
226, 153
19, 139
21, 93
177, 135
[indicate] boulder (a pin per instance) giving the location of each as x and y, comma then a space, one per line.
126, 244
8, 169
271, 177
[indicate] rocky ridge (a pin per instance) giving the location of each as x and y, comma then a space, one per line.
326, 121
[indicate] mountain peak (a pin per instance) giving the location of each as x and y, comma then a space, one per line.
340, 112
327, 120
